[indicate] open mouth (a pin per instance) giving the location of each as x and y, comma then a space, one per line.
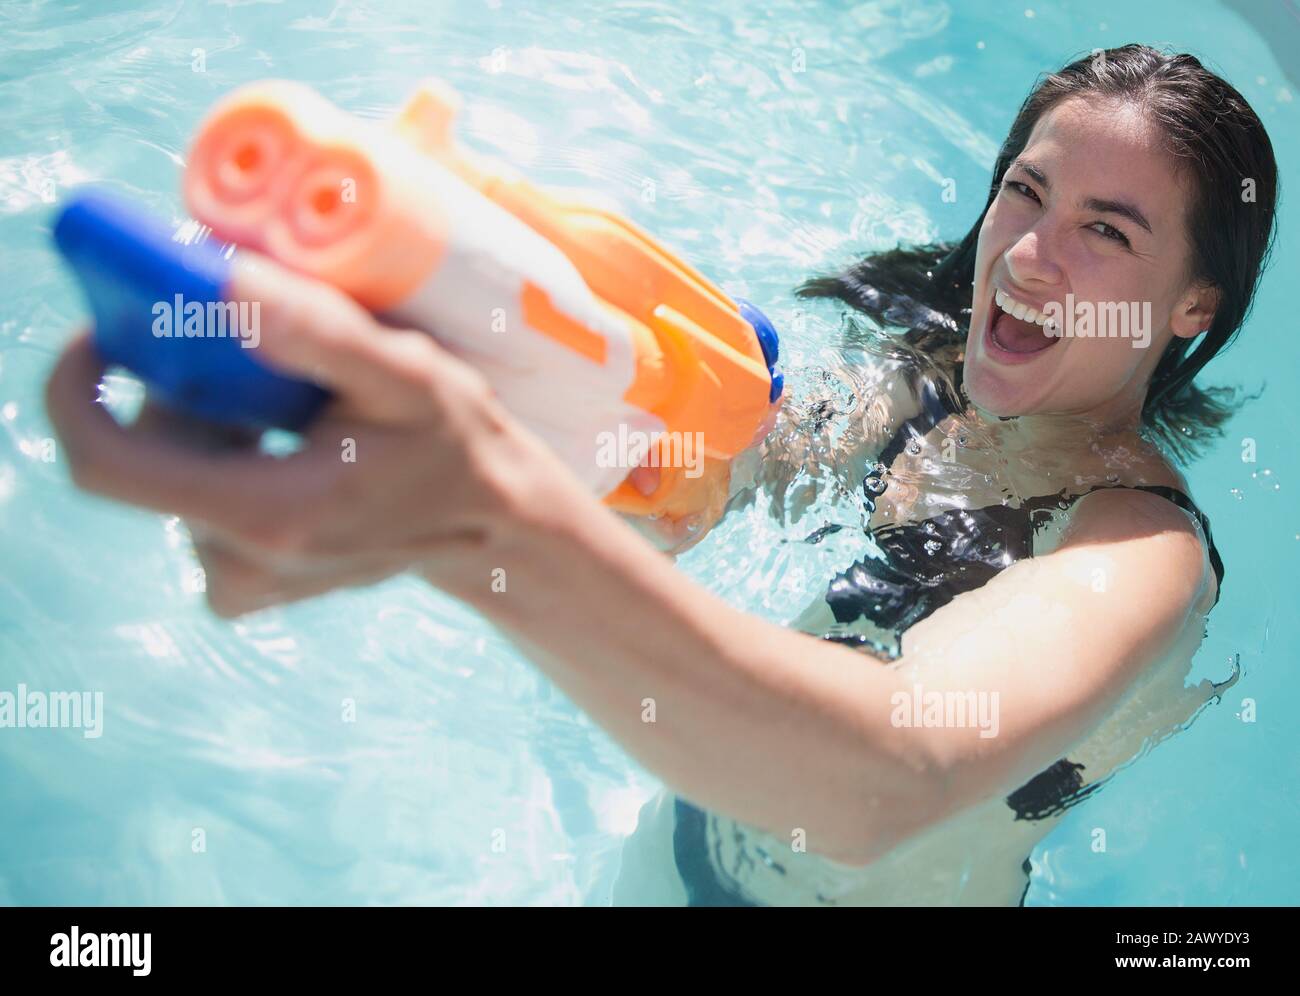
1017, 331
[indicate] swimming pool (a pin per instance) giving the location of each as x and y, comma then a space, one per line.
385, 745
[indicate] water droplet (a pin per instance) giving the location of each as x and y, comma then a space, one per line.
913, 447
1236, 493
933, 546
1265, 479
1112, 478
961, 440
874, 483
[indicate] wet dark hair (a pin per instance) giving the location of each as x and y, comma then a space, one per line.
1219, 144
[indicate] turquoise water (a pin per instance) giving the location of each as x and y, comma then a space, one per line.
764, 144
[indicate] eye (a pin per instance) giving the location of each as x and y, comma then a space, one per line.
1109, 232
1023, 189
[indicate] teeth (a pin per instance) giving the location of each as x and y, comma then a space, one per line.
1018, 309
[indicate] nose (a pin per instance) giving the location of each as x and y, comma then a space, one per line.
1033, 257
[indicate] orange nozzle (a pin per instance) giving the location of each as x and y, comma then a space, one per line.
278, 169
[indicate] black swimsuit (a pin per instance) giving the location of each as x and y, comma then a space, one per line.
926, 565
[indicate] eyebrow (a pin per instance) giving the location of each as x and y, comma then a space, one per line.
1105, 205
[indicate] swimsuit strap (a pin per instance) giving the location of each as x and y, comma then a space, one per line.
933, 411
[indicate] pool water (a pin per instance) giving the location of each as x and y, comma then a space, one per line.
386, 745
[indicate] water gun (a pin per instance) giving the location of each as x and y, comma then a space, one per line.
587, 329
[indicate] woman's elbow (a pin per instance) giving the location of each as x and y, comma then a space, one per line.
883, 817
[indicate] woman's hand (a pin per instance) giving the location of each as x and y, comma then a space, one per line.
412, 465
677, 535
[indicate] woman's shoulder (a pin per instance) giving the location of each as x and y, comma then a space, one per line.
1156, 490
1155, 469
1149, 483
1159, 523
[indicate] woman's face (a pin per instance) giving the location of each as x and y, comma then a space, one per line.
1089, 229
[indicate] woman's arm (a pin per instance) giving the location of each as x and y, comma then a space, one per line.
770, 726
785, 731
743, 716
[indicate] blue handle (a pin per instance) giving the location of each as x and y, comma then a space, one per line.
156, 304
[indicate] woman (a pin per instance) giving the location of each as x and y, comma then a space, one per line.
1059, 594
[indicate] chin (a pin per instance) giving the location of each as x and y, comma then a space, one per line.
990, 394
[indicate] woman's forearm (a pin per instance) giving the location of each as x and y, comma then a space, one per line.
772, 727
